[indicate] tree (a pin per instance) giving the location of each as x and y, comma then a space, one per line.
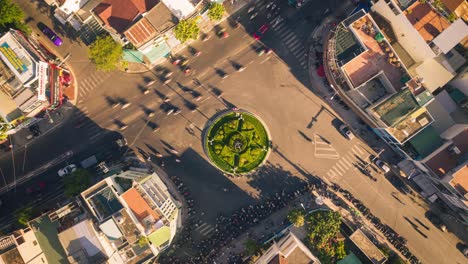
296, 217
186, 29
252, 247
11, 16
142, 241
322, 227
23, 216
216, 11
76, 182
106, 53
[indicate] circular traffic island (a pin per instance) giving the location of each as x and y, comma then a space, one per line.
236, 142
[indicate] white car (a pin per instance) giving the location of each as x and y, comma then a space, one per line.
346, 131
67, 170
382, 165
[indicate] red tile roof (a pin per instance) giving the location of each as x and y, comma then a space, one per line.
138, 205
426, 21
119, 14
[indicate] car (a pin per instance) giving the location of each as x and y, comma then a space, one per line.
382, 165
52, 36
261, 31
346, 131
67, 170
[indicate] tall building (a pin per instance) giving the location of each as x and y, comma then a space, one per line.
29, 82
394, 67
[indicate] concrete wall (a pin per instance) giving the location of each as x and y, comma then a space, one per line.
407, 35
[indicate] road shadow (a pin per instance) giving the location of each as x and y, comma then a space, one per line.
207, 185
304, 136
265, 180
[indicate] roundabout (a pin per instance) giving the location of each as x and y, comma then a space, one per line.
236, 142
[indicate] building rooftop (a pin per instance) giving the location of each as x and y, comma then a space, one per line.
411, 125
140, 208
347, 46
426, 20
47, 236
423, 143
367, 247
378, 56
119, 14
288, 250
396, 108
141, 32
446, 159
460, 180
17, 58
81, 243
102, 200
127, 226
161, 18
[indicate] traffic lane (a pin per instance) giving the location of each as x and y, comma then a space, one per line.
39, 12
46, 190
378, 197
43, 150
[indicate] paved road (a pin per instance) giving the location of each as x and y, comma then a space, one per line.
275, 87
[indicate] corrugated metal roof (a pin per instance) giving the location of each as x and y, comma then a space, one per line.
141, 32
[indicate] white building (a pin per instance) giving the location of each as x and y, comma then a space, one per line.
24, 78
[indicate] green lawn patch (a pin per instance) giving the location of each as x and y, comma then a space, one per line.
237, 142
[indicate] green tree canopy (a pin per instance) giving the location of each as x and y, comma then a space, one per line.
296, 217
186, 29
23, 216
11, 16
322, 227
76, 182
216, 11
106, 53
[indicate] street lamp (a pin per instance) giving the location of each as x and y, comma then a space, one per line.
303, 206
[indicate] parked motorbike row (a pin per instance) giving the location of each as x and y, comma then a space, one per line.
227, 228
392, 236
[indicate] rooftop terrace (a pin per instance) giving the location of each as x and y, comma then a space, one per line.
395, 108
411, 125
378, 57
103, 201
426, 20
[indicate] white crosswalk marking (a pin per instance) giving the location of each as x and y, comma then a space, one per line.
282, 31
358, 149
338, 167
347, 161
291, 41
341, 163
298, 52
279, 26
289, 35
336, 171
296, 45
205, 229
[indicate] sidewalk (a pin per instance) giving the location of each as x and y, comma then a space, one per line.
266, 228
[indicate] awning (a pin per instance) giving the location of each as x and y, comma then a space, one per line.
133, 56
154, 53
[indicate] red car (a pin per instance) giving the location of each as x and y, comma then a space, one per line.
258, 34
